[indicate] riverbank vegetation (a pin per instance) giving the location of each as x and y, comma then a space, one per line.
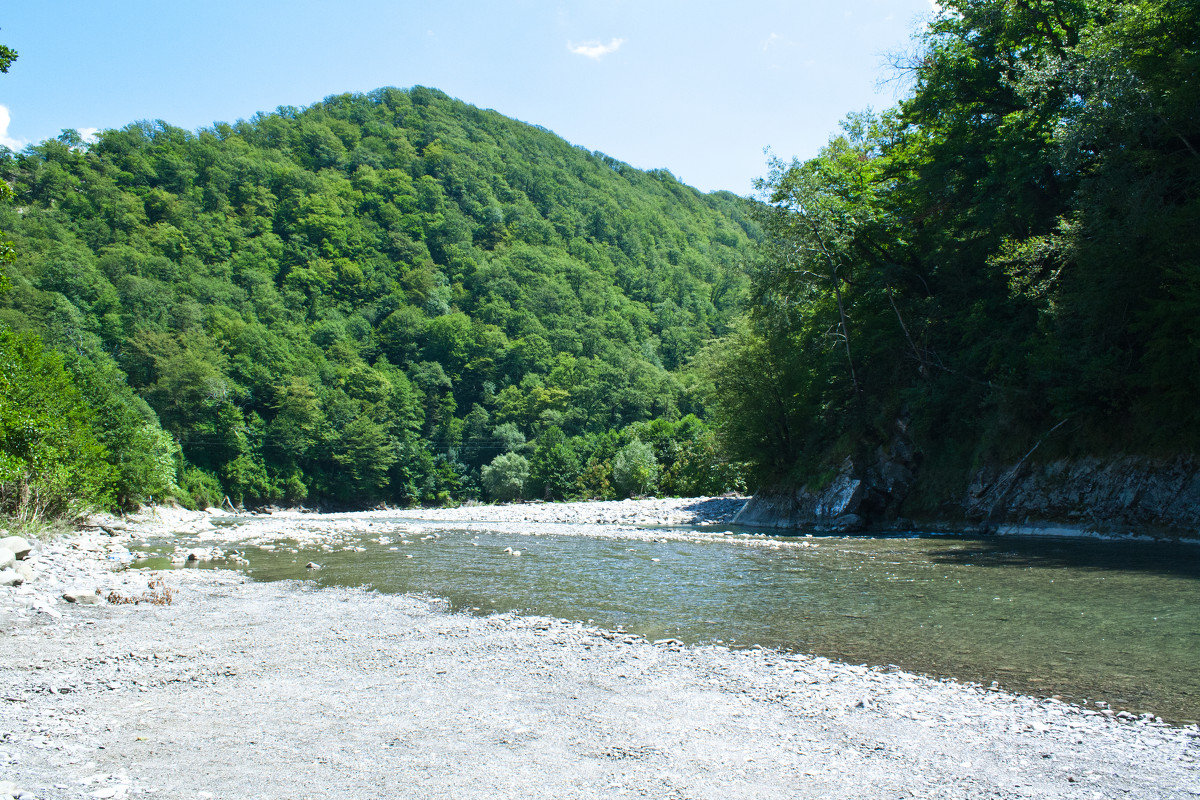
1005, 259
379, 298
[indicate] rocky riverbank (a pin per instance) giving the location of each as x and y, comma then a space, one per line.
200, 683
1128, 497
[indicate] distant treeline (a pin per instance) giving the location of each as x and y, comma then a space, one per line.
393, 297
1008, 258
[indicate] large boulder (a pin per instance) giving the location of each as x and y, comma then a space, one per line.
7, 558
19, 545
837, 506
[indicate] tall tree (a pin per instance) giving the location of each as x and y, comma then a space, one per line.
1012, 247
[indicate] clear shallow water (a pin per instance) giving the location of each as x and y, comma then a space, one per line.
1111, 621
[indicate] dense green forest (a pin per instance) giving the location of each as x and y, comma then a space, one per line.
1008, 258
398, 297
393, 297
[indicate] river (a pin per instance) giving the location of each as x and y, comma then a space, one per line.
1095, 622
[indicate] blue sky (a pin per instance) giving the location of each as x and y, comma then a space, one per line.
699, 88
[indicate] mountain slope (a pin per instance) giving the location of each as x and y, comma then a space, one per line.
369, 298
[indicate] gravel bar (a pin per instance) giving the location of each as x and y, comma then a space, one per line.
239, 689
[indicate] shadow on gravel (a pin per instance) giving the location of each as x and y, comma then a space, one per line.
715, 508
1164, 558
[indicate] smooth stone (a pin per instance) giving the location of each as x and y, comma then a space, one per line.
312, 565
7, 558
82, 597
10, 577
25, 570
19, 545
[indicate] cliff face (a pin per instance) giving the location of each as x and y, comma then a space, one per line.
859, 497
1123, 495
1129, 495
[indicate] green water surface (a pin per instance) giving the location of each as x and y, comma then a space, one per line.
1112, 621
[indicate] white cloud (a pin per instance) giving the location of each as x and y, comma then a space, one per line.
89, 134
595, 50
5, 139
775, 40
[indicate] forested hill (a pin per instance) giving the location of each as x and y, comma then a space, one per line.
370, 299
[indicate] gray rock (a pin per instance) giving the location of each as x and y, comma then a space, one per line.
849, 523
19, 545
82, 597
25, 570
312, 565
1107, 495
1116, 495
7, 558
10, 577
858, 495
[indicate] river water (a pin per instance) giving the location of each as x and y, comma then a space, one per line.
1086, 620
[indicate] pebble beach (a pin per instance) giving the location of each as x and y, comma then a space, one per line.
183, 683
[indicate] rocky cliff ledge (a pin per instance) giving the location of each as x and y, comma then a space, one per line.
1130, 495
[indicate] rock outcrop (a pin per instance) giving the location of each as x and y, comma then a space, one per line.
859, 497
1120, 496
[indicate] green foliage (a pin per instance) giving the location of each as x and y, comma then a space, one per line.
363, 454
690, 459
1012, 246
366, 300
505, 478
51, 463
635, 469
200, 489
143, 456
554, 468
7, 56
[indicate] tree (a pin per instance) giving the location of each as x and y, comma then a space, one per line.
504, 479
143, 456
363, 453
51, 464
554, 468
635, 469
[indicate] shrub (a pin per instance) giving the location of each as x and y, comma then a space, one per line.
504, 479
635, 469
200, 489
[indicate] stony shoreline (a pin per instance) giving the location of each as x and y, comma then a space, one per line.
243, 689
